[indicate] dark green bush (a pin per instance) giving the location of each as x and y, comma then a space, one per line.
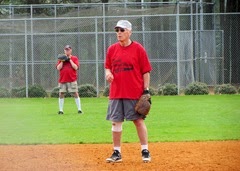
106, 91
36, 91
225, 89
55, 93
19, 92
4, 92
160, 90
196, 88
168, 89
152, 91
33, 91
87, 90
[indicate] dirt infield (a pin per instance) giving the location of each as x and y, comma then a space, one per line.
204, 156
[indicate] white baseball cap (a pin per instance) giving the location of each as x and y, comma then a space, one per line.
124, 24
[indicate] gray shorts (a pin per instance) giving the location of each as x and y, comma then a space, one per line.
120, 109
71, 87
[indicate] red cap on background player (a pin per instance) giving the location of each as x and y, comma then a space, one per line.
67, 47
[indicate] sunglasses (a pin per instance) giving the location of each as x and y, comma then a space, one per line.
119, 29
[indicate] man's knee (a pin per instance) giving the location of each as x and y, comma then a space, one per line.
75, 94
139, 122
61, 94
117, 126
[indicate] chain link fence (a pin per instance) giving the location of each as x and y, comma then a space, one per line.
184, 43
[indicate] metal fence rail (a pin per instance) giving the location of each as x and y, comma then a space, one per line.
183, 46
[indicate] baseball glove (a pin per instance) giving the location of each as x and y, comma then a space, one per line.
63, 57
144, 104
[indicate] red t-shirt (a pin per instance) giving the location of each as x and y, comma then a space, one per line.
127, 64
67, 73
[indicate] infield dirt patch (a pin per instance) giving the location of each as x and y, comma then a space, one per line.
174, 156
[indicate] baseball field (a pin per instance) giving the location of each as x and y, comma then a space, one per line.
185, 133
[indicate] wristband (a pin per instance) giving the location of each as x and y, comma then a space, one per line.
146, 92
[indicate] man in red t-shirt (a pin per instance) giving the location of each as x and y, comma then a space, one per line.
127, 69
68, 78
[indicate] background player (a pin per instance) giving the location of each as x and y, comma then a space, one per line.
68, 78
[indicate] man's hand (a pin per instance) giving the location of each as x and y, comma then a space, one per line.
144, 104
109, 76
63, 57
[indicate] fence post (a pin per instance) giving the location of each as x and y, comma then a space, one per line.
26, 58
96, 45
32, 49
178, 52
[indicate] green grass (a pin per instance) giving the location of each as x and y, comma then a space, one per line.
172, 118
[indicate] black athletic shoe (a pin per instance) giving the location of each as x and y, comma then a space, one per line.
116, 157
60, 112
146, 156
80, 112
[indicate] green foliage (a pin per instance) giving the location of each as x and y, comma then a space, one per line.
36, 91
4, 92
168, 89
160, 90
106, 91
55, 93
19, 92
196, 88
87, 90
152, 91
225, 89
33, 91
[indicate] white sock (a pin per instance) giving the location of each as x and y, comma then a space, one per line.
61, 103
117, 148
78, 103
144, 147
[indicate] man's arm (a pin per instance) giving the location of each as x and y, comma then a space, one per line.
73, 64
146, 80
108, 75
59, 66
